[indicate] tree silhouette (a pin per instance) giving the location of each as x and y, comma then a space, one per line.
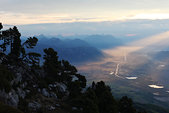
106, 101
126, 105
30, 42
1, 26
51, 65
11, 38
15, 43
34, 59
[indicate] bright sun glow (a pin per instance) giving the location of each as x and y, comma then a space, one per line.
150, 16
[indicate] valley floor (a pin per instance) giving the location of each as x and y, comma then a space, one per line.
135, 74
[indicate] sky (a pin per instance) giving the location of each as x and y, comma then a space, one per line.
19, 12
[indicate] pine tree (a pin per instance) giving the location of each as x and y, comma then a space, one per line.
126, 105
51, 65
106, 102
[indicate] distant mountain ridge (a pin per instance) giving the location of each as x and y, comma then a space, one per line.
74, 50
139, 27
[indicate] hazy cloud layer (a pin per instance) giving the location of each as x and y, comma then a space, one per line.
46, 11
130, 28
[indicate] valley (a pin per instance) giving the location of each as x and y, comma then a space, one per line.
133, 73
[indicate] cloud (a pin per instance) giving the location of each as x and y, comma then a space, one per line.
21, 18
130, 35
55, 11
152, 16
